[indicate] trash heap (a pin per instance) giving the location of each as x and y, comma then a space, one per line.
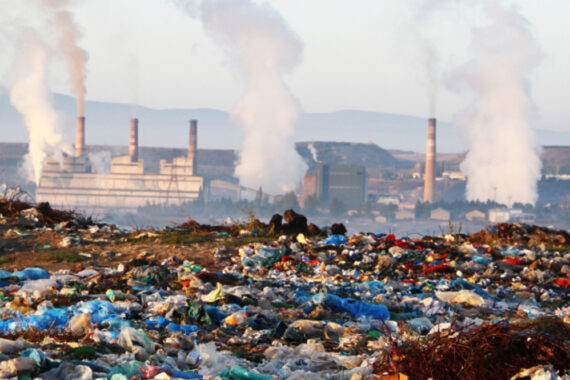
366, 306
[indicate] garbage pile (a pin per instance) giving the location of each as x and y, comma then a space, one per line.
366, 306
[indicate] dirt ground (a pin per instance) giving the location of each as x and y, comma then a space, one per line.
44, 248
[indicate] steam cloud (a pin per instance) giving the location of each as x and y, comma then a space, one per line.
56, 32
503, 161
75, 57
31, 97
264, 48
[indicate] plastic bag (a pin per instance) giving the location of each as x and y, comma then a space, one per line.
238, 373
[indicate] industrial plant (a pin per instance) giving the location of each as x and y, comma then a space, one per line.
72, 184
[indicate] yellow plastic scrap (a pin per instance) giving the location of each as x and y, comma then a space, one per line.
301, 239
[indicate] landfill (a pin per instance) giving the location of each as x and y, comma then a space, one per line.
284, 300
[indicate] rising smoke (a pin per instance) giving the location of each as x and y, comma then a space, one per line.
51, 32
263, 48
32, 98
503, 161
75, 57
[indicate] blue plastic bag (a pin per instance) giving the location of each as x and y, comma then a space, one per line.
335, 240
353, 307
31, 274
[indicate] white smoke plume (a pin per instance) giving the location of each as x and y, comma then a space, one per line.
263, 47
49, 30
100, 161
313, 151
429, 51
75, 57
31, 97
503, 161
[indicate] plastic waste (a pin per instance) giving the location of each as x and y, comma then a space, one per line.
335, 240
32, 274
13, 367
8, 346
129, 336
353, 307
80, 324
238, 318
463, 296
238, 373
126, 370
186, 329
69, 371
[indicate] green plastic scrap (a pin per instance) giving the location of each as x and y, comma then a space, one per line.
303, 268
195, 269
199, 314
84, 351
20, 233
126, 370
238, 373
280, 304
374, 333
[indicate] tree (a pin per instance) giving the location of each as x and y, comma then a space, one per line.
422, 210
289, 201
311, 203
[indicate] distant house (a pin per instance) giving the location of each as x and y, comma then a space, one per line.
387, 199
380, 219
475, 216
523, 218
440, 214
404, 215
407, 206
454, 175
503, 215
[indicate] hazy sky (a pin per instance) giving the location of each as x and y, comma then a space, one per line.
358, 54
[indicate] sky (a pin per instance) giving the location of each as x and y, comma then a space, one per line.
357, 54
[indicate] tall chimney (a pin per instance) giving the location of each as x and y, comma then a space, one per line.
134, 140
192, 147
80, 136
429, 178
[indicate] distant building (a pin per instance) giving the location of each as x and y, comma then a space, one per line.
346, 183
475, 216
380, 219
523, 218
387, 199
440, 214
309, 188
404, 215
454, 175
406, 206
503, 215
70, 183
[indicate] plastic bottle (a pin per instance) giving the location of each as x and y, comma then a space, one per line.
238, 318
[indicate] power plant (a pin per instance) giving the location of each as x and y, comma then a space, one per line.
72, 184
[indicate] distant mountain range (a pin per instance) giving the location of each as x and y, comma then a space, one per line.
108, 123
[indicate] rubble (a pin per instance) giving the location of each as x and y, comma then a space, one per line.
278, 302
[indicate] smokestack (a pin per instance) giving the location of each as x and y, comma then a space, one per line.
134, 140
80, 136
192, 147
429, 178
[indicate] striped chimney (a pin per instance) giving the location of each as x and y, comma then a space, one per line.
80, 136
134, 140
429, 178
193, 145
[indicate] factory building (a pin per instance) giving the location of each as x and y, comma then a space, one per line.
72, 184
346, 183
